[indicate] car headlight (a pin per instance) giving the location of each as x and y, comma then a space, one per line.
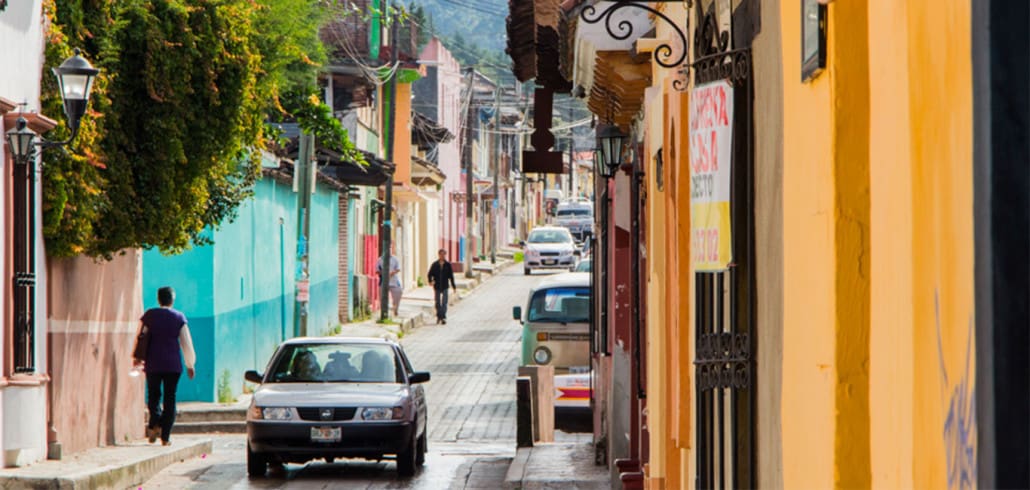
542, 355
270, 413
382, 413
532, 253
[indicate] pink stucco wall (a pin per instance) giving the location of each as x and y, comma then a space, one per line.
448, 115
93, 317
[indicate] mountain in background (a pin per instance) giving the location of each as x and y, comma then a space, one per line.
473, 30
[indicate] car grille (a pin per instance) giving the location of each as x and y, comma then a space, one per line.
315, 413
550, 254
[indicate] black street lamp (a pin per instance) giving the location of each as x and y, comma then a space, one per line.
608, 157
75, 77
20, 140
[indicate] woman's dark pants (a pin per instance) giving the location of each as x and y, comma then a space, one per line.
164, 416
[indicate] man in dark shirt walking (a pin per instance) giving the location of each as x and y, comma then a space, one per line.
170, 345
440, 274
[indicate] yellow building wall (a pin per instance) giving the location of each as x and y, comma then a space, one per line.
402, 135
878, 250
669, 289
923, 345
658, 366
809, 261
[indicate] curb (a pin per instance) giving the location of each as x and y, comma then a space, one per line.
517, 470
526, 472
132, 470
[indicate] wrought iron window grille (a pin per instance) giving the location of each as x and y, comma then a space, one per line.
714, 59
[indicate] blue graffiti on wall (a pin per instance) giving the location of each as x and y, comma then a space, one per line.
960, 423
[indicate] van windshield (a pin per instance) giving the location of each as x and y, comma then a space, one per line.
560, 305
574, 212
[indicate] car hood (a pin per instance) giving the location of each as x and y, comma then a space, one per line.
330, 394
549, 247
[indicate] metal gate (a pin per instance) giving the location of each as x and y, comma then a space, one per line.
725, 320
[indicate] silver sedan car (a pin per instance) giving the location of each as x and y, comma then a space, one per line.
337, 397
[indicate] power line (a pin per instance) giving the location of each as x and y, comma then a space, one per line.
477, 8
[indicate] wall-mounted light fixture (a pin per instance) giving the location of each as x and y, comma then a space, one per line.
608, 156
75, 77
813, 38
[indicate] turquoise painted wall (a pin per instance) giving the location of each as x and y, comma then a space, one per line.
246, 280
352, 243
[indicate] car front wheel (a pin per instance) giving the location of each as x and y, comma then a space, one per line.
423, 445
526, 271
407, 459
257, 463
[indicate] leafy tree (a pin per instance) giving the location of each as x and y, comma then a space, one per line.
168, 148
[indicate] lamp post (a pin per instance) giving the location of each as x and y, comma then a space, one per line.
75, 77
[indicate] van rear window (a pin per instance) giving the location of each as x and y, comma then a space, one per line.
560, 305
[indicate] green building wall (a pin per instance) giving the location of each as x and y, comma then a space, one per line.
238, 293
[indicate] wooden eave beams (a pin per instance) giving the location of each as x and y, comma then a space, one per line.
619, 84
522, 39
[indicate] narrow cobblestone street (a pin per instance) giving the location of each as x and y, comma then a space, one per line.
473, 360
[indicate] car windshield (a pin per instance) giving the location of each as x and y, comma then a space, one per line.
583, 266
336, 362
549, 236
574, 212
560, 305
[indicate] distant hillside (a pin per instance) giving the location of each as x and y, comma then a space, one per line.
473, 30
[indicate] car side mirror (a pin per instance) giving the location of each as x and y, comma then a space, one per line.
577, 253
516, 313
522, 243
418, 377
253, 376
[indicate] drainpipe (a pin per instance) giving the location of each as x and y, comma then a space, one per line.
282, 281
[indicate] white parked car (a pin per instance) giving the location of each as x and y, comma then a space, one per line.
549, 247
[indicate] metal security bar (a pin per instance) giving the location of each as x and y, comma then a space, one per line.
725, 337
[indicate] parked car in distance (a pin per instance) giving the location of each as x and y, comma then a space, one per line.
578, 217
549, 247
583, 266
337, 397
556, 332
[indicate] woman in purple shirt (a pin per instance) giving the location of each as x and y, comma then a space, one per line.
170, 345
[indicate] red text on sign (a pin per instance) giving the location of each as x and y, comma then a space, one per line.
705, 245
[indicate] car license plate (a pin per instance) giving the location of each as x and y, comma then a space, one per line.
325, 434
549, 262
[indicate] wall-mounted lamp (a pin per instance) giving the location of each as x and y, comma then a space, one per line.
608, 158
75, 77
20, 141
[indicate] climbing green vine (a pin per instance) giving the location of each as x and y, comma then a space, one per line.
169, 146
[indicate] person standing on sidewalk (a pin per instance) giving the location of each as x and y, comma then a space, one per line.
170, 345
440, 273
396, 288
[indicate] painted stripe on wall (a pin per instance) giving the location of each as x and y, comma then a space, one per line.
87, 326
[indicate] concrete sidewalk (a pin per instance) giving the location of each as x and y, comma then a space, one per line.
115, 467
557, 466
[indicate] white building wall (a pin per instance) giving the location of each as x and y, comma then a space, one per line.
23, 408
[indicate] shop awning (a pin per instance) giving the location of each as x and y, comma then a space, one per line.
425, 173
426, 133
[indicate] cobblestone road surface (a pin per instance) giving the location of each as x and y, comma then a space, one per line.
473, 360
